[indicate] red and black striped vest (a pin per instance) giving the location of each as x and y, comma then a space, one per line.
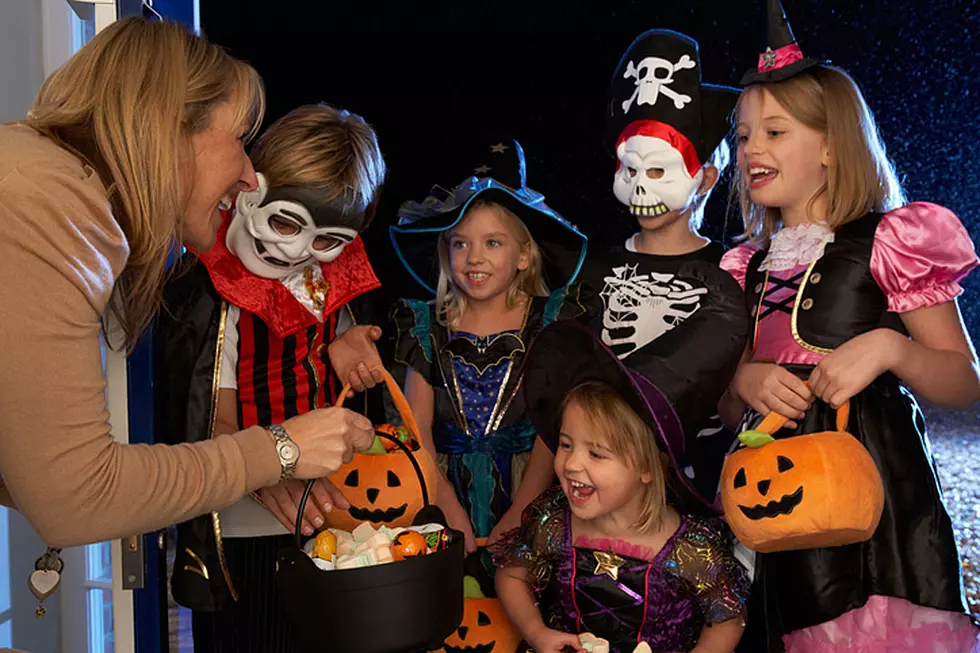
279, 378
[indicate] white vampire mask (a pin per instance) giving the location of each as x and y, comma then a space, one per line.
652, 178
275, 234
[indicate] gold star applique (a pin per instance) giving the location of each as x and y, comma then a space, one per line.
482, 170
607, 563
499, 148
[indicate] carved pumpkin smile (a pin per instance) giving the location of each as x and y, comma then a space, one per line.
774, 508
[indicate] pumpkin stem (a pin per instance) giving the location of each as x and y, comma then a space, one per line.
471, 588
754, 439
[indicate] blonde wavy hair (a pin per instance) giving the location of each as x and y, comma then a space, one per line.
451, 301
630, 438
860, 177
127, 103
329, 149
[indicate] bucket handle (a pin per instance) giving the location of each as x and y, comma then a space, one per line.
775, 421
401, 403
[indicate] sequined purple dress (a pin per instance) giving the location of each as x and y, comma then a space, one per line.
693, 581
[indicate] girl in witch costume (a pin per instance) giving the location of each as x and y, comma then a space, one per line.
244, 341
668, 311
488, 251
854, 292
619, 549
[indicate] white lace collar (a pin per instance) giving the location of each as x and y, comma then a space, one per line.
309, 288
794, 246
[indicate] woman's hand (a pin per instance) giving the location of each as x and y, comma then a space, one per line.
283, 499
328, 438
355, 358
767, 388
850, 368
510, 520
546, 640
455, 513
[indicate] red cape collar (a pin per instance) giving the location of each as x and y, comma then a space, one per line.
348, 276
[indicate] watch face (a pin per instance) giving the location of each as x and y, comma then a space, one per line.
288, 452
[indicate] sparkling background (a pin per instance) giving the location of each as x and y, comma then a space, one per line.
437, 77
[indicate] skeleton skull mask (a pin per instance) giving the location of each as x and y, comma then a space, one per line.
653, 177
275, 237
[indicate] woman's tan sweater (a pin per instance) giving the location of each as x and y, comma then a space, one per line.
61, 251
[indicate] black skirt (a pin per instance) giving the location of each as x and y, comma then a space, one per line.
912, 554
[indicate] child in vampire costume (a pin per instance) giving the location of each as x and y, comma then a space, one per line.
667, 310
244, 340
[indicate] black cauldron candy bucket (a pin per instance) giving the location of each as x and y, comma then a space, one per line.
399, 607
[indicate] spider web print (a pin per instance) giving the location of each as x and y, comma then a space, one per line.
646, 305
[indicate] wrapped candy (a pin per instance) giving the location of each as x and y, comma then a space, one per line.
366, 546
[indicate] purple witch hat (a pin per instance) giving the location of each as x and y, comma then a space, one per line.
783, 57
566, 354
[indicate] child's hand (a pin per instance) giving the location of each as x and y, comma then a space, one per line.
283, 499
850, 368
546, 640
354, 357
510, 521
456, 515
767, 387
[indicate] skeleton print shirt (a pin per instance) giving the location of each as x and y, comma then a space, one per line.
681, 321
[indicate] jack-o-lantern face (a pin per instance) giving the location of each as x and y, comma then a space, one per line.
802, 492
775, 506
485, 629
382, 487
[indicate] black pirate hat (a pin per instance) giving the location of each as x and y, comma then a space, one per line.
658, 80
420, 224
783, 57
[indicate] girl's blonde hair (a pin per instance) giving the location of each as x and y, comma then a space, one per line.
629, 437
451, 301
329, 149
127, 103
860, 177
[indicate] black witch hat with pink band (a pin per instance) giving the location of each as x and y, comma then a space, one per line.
782, 58
565, 355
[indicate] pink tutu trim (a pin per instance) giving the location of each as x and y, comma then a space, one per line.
888, 625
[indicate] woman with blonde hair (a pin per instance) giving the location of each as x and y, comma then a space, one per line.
131, 147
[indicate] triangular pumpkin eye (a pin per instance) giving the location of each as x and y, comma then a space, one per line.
482, 619
783, 463
739, 478
351, 480
393, 480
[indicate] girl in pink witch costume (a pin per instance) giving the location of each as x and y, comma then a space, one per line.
853, 291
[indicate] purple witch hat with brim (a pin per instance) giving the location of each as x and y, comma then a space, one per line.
782, 58
565, 355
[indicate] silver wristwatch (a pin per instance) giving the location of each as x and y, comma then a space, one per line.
287, 449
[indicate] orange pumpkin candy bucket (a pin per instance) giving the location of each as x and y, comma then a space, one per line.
801, 492
404, 606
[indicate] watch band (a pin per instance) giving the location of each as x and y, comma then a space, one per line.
287, 449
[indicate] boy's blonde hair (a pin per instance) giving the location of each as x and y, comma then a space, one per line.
330, 149
860, 177
127, 103
451, 301
629, 437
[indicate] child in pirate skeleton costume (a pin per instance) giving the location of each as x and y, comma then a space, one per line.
245, 341
668, 311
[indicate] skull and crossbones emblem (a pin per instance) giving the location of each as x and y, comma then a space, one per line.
653, 76
650, 304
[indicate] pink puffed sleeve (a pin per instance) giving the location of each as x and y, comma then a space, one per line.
736, 261
920, 254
